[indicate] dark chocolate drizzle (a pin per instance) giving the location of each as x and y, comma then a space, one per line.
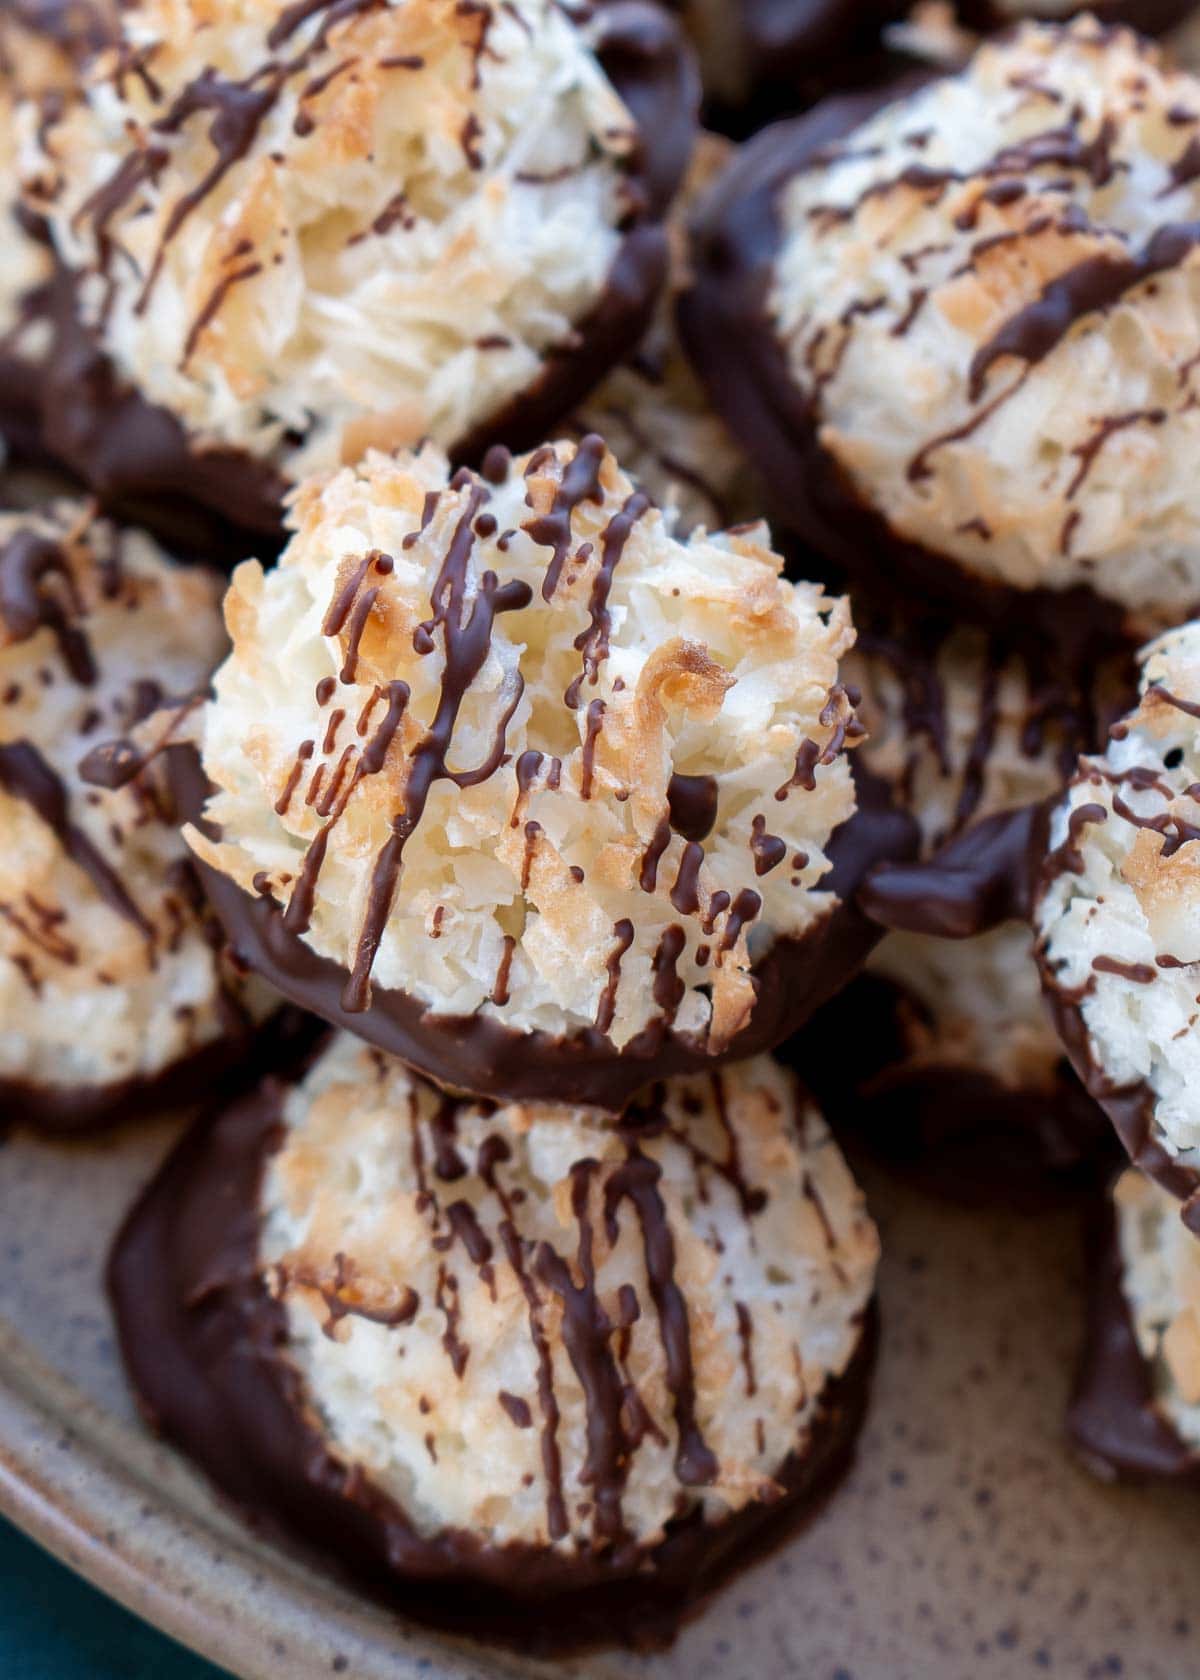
205, 1347
137, 456
29, 565
26, 775
729, 336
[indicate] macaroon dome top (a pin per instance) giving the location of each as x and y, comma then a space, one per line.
503, 743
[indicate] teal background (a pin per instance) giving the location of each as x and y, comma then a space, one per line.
55, 1627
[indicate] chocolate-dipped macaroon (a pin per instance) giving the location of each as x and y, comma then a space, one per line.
1136, 1407
959, 337
520, 1370
513, 783
655, 414
290, 233
1117, 919
949, 1061
113, 994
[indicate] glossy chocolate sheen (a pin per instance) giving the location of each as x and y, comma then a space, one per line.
205, 1348
1113, 1421
730, 339
953, 1129
480, 1055
137, 457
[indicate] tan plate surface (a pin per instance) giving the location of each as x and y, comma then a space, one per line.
966, 1544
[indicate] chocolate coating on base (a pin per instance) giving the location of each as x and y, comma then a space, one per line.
1129, 1107
1113, 1420
240, 1057
138, 458
204, 1345
479, 1055
727, 332
954, 1130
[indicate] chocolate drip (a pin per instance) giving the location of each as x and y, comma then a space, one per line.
593, 642
607, 1007
745, 1325
637, 1181
752, 1198
651, 857
295, 16
580, 482
376, 750
446, 1298
26, 775
28, 563
685, 894
448, 1164
692, 802
517, 1409
1087, 289
289, 1275
467, 640
668, 986
587, 758
1139, 974
767, 850
587, 1332
742, 911
556, 1507
1190, 707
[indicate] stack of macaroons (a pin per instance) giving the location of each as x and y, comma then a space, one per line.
537, 801
286, 235
114, 995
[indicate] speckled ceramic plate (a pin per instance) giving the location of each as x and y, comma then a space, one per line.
966, 1544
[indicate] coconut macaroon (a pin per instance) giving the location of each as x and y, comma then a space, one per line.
1117, 917
1136, 1406
960, 1067
512, 782
959, 334
111, 992
523, 1369
298, 232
